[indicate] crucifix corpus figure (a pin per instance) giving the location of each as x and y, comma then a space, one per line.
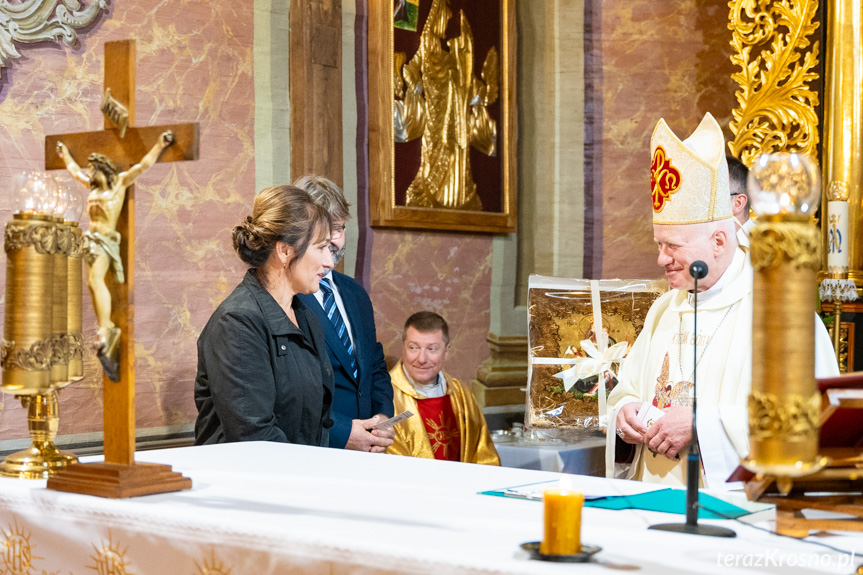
107, 185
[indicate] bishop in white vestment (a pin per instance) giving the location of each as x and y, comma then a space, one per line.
693, 221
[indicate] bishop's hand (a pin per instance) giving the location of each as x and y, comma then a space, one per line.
629, 428
671, 433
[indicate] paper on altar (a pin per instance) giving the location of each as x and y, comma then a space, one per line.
599, 490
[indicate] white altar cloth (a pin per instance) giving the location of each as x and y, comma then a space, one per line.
259, 508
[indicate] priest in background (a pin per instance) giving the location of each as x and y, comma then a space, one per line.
738, 175
448, 424
692, 221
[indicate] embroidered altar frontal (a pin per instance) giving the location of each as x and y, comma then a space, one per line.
579, 332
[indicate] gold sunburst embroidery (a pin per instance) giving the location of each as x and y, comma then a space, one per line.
110, 559
17, 550
441, 434
212, 566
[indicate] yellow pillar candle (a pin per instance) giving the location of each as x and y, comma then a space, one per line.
562, 522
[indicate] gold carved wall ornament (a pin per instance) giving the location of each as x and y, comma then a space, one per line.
771, 43
31, 21
439, 97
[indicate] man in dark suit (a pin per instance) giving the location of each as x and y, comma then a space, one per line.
363, 391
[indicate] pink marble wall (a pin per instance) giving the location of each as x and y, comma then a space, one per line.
194, 64
659, 60
449, 274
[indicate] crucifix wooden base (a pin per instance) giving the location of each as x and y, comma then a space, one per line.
119, 475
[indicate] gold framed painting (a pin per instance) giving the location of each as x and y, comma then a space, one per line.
442, 130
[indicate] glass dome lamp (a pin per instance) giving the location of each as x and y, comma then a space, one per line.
63, 194
785, 185
22, 197
44, 188
75, 205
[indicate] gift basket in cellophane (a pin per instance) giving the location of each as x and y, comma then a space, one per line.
579, 333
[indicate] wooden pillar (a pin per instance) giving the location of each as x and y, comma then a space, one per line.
316, 88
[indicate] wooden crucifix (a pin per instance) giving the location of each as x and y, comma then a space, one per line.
124, 145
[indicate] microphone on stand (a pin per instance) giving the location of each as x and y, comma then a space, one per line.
698, 270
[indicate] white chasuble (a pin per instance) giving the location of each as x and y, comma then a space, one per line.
659, 370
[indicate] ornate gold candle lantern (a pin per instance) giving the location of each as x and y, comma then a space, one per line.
30, 350
784, 405
60, 303
68, 211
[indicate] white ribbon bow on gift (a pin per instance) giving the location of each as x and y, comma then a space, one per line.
595, 364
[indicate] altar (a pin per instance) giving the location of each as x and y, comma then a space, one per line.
276, 508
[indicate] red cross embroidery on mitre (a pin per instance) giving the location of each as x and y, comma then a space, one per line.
664, 179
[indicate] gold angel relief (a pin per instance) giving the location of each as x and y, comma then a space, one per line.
438, 98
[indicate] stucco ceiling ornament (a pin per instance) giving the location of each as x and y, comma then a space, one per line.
30, 21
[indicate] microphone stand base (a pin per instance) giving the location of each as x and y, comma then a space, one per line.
709, 530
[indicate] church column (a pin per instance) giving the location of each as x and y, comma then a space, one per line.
316, 88
272, 105
843, 118
550, 104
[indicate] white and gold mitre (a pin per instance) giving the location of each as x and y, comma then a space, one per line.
689, 179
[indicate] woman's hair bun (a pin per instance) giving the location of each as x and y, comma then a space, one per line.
248, 243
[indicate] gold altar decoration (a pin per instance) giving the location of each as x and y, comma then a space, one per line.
771, 43
457, 99
569, 320
784, 405
836, 286
443, 101
843, 128
37, 342
43, 21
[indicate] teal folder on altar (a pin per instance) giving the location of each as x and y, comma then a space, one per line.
670, 501
663, 500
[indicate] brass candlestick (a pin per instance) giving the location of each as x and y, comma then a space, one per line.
74, 277
784, 405
36, 344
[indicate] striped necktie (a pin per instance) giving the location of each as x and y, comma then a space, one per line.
335, 317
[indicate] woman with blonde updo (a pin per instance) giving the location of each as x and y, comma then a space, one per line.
263, 371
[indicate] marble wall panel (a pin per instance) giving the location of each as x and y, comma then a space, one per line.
194, 64
658, 59
449, 274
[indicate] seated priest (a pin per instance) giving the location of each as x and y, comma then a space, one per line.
447, 422
692, 221
263, 370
